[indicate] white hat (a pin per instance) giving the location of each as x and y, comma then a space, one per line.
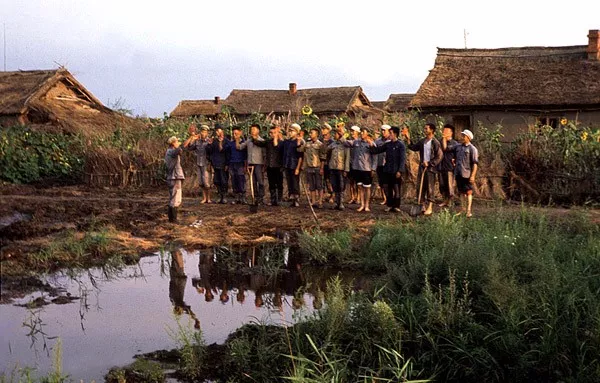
467, 133
355, 128
385, 127
296, 126
204, 127
171, 140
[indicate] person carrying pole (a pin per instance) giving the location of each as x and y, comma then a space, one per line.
430, 154
256, 161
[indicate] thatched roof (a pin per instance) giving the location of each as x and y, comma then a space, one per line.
321, 100
190, 108
55, 98
398, 102
378, 104
530, 76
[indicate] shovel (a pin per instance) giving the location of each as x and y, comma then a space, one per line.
254, 205
416, 210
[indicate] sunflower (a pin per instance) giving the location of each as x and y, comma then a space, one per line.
563, 121
306, 110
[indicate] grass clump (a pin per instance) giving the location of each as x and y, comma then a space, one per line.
141, 370
327, 248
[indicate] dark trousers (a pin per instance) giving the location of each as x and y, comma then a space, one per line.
221, 180
446, 180
428, 191
238, 177
393, 189
336, 177
258, 180
327, 179
293, 182
275, 178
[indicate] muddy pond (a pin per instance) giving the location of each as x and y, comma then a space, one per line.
103, 317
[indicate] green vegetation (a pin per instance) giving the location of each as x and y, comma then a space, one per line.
141, 370
509, 297
27, 155
27, 374
96, 246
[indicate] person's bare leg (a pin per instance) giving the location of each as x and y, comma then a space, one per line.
469, 203
360, 190
207, 195
367, 194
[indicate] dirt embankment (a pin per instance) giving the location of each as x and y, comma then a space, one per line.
133, 222
34, 220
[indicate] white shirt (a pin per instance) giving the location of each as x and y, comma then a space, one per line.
427, 151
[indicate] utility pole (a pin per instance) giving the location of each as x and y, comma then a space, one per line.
465, 37
4, 34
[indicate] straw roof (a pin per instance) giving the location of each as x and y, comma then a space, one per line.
190, 108
321, 100
529, 76
378, 104
54, 98
398, 102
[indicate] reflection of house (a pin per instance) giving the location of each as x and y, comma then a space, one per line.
198, 108
516, 87
54, 100
325, 102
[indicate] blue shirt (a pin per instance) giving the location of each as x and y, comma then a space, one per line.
237, 156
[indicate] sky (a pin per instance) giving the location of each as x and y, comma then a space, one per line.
151, 55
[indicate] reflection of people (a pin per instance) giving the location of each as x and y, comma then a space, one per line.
177, 284
205, 267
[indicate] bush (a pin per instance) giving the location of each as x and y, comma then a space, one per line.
27, 155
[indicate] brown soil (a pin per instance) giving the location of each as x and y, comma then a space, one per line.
32, 218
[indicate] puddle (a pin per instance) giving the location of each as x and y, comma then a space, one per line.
120, 314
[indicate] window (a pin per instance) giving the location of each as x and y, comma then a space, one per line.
548, 121
461, 123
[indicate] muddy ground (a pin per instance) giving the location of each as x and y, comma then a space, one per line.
32, 218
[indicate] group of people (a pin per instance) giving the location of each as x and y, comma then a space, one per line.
326, 159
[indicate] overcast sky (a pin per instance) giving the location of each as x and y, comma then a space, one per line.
154, 54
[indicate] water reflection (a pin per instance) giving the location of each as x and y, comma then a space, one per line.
265, 283
177, 282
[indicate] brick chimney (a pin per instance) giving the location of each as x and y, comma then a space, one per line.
217, 99
292, 88
593, 49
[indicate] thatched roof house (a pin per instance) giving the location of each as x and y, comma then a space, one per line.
325, 102
198, 108
398, 102
55, 100
517, 87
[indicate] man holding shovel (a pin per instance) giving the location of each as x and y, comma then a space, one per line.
430, 154
256, 162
